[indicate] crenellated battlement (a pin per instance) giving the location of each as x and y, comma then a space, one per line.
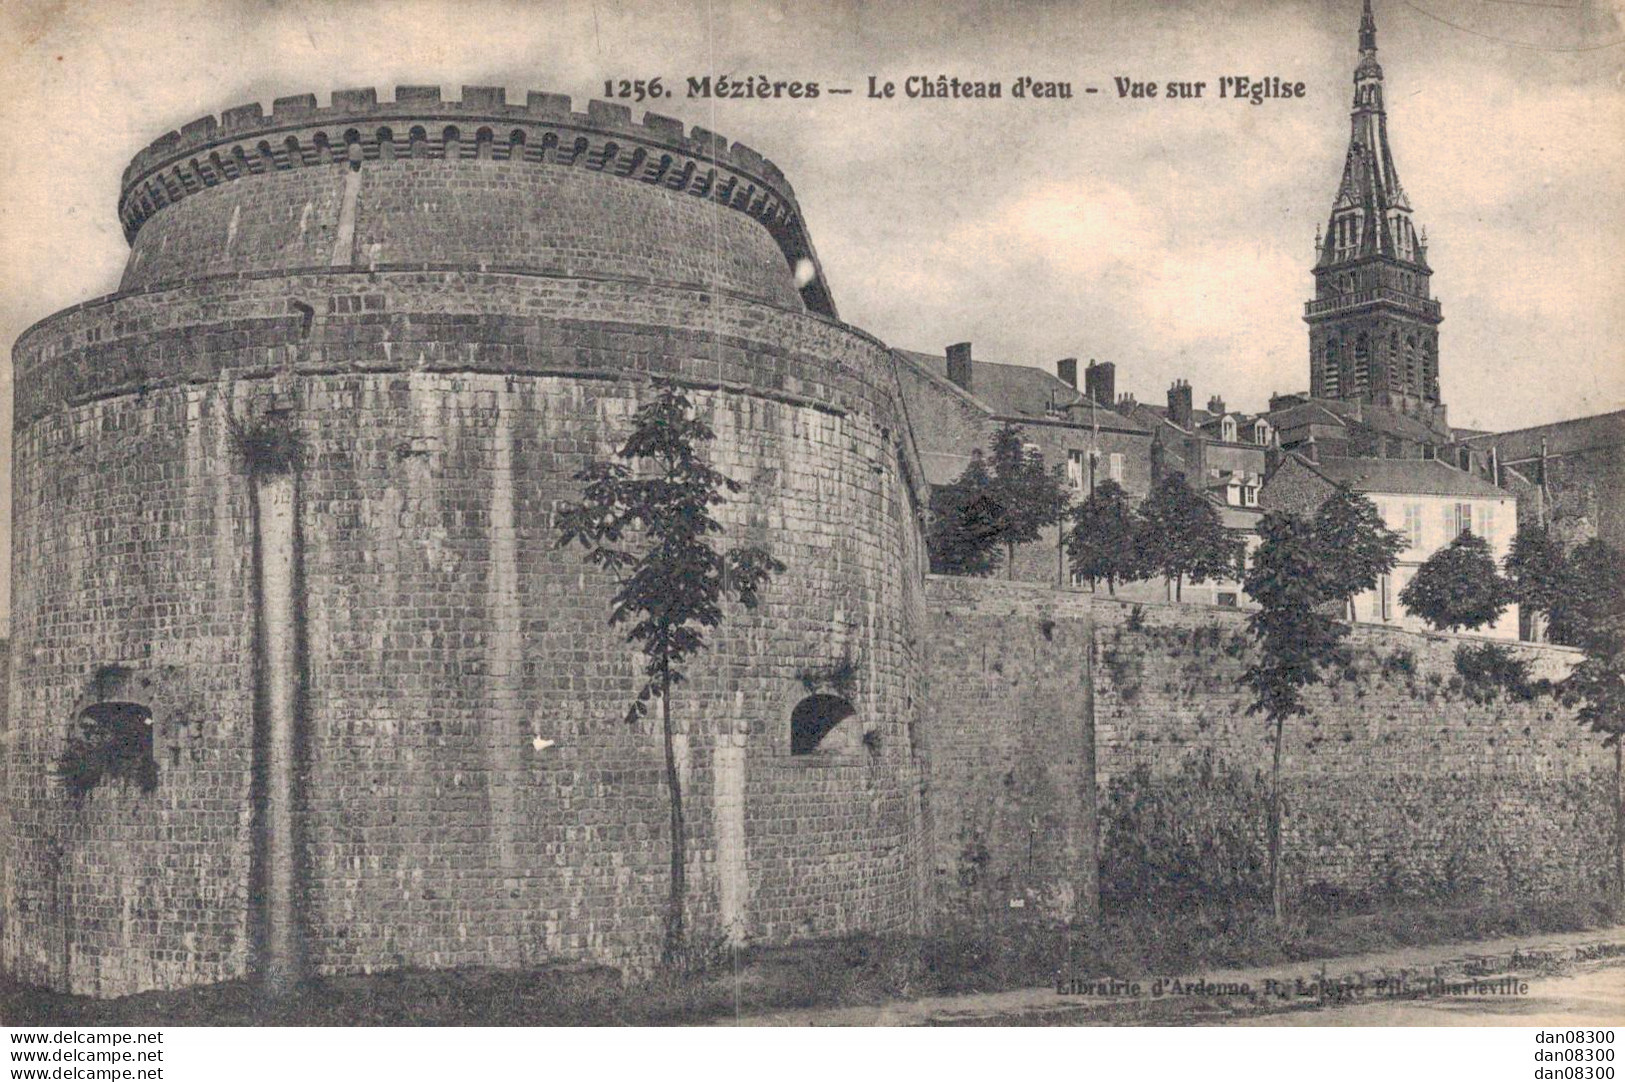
356, 127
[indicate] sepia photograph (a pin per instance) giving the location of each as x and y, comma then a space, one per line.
753, 514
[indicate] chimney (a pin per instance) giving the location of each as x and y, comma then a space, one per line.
1179, 403
1126, 403
1066, 369
959, 364
1215, 405
1100, 382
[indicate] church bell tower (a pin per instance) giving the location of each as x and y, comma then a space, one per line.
1373, 328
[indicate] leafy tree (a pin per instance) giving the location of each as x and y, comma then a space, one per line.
1181, 536
1537, 572
1029, 496
1457, 587
1297, 640
1589, 592
964, 534
1006, 499
1356, 547
649, 527
1597, 683
1103, 543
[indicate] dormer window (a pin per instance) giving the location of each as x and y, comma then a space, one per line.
1227, 430
1261, 432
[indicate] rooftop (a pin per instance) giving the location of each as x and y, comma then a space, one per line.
1561, 437
1405, 476
1018, 392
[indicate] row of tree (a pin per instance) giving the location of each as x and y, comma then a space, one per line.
1008, 498
1461, 588
1304, 578
1306, 569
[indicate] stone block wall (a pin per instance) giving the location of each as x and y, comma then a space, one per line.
448, 637
449, 336
1397, 781
513, 215
1011, 785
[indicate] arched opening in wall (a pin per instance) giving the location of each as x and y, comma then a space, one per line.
483, 139
516, 145
814, 718
295, 155
418, 140
451, 143
386, 145
324, 148
110, 741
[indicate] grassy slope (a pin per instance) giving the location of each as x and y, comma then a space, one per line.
847, 972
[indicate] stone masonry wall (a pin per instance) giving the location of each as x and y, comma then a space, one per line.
449, 637
499, 214
1396, 780
468, 791
1011, 783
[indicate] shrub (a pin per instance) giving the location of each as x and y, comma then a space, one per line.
111, 741
1181, 841
1488, 669
1401, 662
267, 445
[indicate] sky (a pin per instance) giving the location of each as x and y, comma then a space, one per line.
1174, 238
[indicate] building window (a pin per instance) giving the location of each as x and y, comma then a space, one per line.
1227, 600
1116, 468
1261, 433
813, 719
1459, 519
1249, 495
1227, 430
1074, 469
1413, 525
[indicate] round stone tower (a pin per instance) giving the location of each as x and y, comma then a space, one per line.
299, 668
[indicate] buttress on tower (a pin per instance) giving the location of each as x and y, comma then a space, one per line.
1373, 328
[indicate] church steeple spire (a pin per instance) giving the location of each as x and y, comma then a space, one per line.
1368, 30
1373, 326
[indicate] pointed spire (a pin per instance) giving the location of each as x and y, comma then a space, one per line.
1368, 30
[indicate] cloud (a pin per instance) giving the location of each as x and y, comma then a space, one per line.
1159, 234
